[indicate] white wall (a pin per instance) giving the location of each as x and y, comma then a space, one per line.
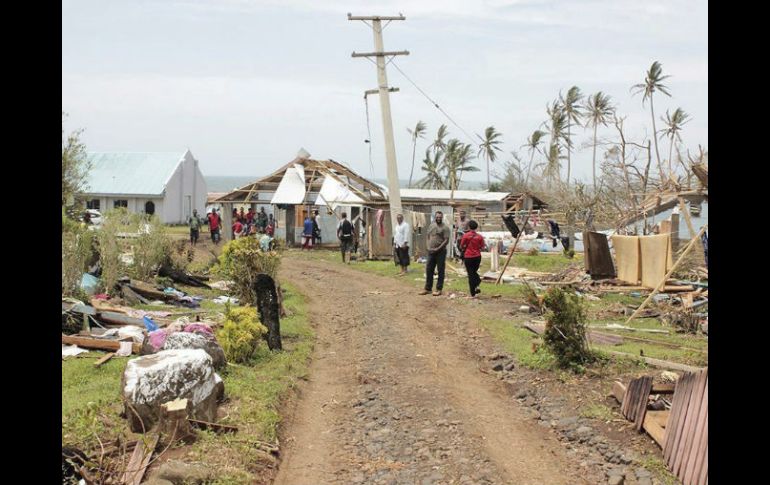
186, 181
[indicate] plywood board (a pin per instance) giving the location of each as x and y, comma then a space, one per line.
627, 259
655, 255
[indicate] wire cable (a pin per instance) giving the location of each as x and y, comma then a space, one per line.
369, 132
434, 103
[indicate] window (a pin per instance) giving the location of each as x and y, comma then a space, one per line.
149, 207
93, 204
120, 203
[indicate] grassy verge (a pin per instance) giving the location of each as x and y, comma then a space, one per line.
91, 401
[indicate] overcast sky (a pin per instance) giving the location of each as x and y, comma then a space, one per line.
244, 84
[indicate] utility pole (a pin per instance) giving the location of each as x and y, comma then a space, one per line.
394, 191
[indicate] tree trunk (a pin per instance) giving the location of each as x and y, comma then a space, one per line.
487, 173
411, 172
569, 153
670, 154
594, 158
269, 312
655, 139
529, 168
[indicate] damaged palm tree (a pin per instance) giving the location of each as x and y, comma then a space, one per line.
565, 329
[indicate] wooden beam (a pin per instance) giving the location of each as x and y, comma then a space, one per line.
663, 364
655, 425
97, 343
215, 427
686, 214
513, 249
139, 461
104, 359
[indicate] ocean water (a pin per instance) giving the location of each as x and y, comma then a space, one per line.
226, 183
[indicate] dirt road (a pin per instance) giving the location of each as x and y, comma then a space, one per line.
393, 399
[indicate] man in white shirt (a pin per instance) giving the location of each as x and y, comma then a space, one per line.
401, 242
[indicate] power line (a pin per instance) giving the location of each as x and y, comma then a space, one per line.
434, 103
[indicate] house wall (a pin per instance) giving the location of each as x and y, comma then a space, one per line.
186, 181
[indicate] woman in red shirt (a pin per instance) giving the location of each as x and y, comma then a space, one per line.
471, 245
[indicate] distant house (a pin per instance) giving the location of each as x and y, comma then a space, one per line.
169, 185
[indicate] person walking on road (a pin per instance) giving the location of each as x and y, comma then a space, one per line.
215, 223
401, 242
471, 245
195, 227
345, 235
438, 238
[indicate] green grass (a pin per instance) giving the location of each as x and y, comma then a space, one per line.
518, 342
657, 466
91, 398
597, 411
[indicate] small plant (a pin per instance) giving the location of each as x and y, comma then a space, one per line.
565, 329
241, 261
533, 252
241, 333
77, 246
569, 253
532, 299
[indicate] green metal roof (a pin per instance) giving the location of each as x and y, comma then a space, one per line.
144, 173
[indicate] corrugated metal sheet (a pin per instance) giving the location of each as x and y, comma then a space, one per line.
291, 190
335, 193
445, 195
131, 173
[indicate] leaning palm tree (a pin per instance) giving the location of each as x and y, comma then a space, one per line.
489, 145
653, 82
599, 109
433, 168
438, 144
418, 132
572, 108
673, 127
552, 167
533, 145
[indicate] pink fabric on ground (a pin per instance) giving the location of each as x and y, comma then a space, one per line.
158, 339
200, 329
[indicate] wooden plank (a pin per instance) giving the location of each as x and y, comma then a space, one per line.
513, 249
644, 397
663, 364
215, 427
139, 461
97, 343
703, 476
672, 427
104, 359
663, 388
619, 391
691, 470
689, 426
654, 424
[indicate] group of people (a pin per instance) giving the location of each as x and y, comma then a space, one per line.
469, 244
250, 223
311, 234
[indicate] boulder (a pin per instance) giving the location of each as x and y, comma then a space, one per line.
152, 380
188, 340
180, 473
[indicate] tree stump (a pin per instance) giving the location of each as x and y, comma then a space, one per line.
173, 424
269, 313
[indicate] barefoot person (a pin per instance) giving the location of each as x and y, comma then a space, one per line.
195, 227
401, 242
438, 238
471, 245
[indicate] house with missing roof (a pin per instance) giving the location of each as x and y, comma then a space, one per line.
169, 185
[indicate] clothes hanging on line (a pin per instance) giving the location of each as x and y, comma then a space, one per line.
510, 223
705, 240
555, 233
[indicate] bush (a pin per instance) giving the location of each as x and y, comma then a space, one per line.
569, 253
565, 329
76, 253
113, 222
241, 260
151, 248
533, 252
241, 333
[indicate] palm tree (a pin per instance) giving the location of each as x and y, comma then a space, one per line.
653, 81
572, 108
673, 127
418, 132
488, 146
457, 159
439, 144
433, 167
533, 145
553, 163
599, 109
557, 120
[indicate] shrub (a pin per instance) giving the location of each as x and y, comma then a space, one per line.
241, 260
76, 252
151, 248
569, 253
565, 329
241, 333
533, 252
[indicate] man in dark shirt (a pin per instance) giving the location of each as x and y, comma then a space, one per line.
438, 238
